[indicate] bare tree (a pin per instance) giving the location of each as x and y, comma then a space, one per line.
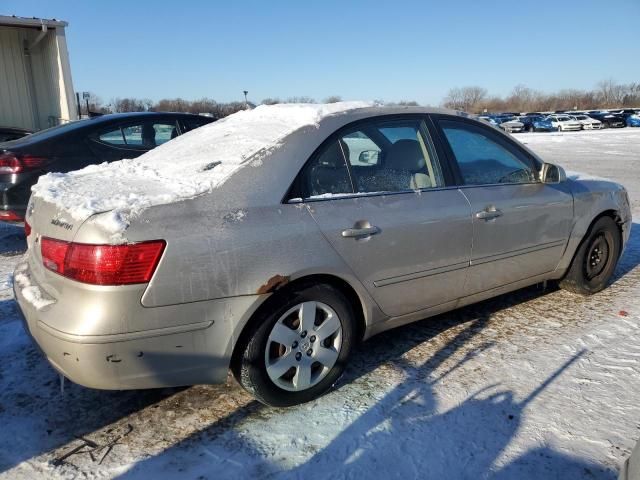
300, 100
271, 101
465, 98
332, 99
120, 105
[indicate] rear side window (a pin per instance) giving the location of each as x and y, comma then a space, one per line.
485, 159
327, 174
145, 135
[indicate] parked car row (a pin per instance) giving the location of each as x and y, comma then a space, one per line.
564, 121
75, 145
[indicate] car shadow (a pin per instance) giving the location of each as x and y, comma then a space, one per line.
12, 240
36, 416
631, 257
404, 423
402, 435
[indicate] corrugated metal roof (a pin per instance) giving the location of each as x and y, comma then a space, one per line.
14, 21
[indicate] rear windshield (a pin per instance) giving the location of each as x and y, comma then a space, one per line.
49, 132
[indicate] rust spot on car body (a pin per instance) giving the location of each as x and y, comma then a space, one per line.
274, 283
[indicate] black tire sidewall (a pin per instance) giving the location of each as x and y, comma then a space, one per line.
607, 226
252, 372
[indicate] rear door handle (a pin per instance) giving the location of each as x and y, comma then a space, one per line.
488, 214
360, 232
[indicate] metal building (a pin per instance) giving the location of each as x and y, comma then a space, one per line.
36, 91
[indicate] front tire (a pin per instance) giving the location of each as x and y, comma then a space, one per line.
595, 260
299, 349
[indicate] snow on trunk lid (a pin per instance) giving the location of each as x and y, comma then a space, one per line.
190, 165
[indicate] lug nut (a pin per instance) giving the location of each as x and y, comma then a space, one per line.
309, 352
303, 334
298, 356
312, 339
295, 345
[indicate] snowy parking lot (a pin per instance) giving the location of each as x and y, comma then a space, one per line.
536, 384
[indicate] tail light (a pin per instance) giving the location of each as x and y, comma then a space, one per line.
102, 264
27, 228
17, 163
10, 216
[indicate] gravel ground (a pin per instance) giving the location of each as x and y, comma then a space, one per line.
535, 384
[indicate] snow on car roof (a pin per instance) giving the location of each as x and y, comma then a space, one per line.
190, 165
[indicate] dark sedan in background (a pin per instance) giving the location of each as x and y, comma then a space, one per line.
608, 119
75, 145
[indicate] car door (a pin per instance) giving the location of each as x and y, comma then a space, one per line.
380, 197
520, 225
131, 139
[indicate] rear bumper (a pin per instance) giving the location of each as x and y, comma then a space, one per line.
183, 354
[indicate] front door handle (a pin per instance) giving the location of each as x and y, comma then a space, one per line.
360, 232
489, 214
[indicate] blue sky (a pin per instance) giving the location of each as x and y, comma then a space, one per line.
413, 50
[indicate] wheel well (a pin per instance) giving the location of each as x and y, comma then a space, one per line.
613, 214
272, 301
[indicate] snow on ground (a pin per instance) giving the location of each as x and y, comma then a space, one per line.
190, 165
537, 384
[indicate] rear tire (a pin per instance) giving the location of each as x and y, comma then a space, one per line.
287, 359
595, 260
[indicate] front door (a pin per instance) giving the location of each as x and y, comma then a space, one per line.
520, 225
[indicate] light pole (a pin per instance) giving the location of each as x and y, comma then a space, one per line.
246, 103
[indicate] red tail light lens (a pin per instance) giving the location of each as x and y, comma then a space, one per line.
103, 264
54, 253
14, 163
27, 228
10, 216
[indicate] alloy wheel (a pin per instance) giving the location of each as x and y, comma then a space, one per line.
303, 346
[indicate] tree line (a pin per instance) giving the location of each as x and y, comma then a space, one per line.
607, 94
474, 99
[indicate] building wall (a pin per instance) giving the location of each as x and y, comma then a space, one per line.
36, 91
16, 109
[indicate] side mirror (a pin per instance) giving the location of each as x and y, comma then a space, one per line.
551, 173
369, 157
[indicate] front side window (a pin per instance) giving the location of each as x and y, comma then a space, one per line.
483, 158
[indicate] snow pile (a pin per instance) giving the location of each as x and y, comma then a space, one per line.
30, 292
188, 166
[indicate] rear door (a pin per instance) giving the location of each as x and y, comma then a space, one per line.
380, 196
520, 225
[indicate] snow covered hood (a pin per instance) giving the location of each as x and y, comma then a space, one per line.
190, 165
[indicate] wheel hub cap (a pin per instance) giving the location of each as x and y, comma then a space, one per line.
303, 346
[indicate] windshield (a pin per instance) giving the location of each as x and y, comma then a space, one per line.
564, 119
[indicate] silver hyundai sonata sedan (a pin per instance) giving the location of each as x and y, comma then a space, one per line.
272, 241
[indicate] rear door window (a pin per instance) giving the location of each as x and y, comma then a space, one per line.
144, 135
375, 157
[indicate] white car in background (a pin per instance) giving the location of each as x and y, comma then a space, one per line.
564, 123
587, 122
